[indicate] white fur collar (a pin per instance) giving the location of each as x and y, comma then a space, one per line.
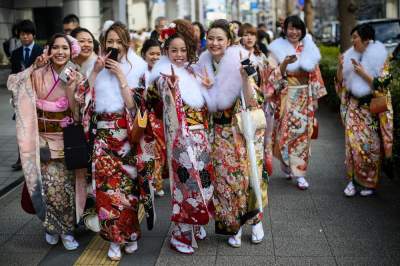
373, 60
227, 81
107, 89
190, 88
308, 59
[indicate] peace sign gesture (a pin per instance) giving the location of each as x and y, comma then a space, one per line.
205, 79
43, 59
171, 79
100, 63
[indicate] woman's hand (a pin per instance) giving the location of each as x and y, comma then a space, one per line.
289, 59
205, 79
71, 79
42, 60
114, 67
171, 79
100, 63
359, 69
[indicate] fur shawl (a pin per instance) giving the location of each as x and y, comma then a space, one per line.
373, 60
108, 96
307, 60
191, 90
227, 82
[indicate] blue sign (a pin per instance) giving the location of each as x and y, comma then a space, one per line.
253, 5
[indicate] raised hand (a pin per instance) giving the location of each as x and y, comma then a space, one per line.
42, 60
171, 79
205, 79
100, 63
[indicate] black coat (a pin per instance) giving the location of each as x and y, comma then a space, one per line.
17, 58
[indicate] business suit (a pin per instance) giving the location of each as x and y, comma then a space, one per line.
17, 58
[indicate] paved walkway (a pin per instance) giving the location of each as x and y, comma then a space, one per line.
314, 227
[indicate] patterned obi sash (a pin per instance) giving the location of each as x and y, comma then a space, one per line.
298, 78
53, 116
195, 118
111, 121
223, 117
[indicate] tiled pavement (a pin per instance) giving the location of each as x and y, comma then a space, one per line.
315, 227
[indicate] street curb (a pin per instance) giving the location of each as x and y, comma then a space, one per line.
14, 184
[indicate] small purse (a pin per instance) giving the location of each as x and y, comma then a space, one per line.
314, 134
139, 126
76, 149
44, 151
257, 117
379, 104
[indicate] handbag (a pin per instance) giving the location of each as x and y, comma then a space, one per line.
257, 117
138, 127
76, 149
379, 104
314, 134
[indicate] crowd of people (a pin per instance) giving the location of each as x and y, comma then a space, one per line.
206, 108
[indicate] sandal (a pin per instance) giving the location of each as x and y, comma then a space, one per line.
350, 190
302, 183
200, 233
131, 247
236, 240
52, 239
181, 247
366, 192
114, 252
69, 242
257, 233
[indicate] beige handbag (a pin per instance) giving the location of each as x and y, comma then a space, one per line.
257, 117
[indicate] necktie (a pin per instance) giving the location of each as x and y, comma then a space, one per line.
26, 57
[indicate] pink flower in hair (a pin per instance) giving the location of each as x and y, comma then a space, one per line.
75, 47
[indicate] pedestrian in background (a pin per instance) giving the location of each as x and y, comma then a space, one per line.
368, 135
200, 34
23, 57
70, 22
297, 101
160, 23
13, 42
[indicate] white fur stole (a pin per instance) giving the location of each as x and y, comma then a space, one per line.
108, 98
373, 60
308, 59
227, 82
190, 88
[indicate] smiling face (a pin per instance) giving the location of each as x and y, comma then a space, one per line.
61, 52
217, 42
114, 41
358, 43
152, 55
293, 34
249, 40
177, 52
86, 43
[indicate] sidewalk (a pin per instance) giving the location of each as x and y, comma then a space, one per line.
315, 227
8, 145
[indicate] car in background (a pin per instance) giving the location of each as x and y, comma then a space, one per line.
387, 31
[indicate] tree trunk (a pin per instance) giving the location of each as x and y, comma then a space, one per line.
309, 16
347, 21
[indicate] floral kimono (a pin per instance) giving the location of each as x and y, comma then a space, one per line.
107, 121
188, 149
234, 199
296, 104
367, 136
151, 153
42, 110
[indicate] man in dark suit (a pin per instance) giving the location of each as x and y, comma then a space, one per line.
24, 56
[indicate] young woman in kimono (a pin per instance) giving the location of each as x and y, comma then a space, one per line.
151, 149
44, 105
89, 48
368, 136
188, 151
265, 80
234, 200
110, 108
297, 100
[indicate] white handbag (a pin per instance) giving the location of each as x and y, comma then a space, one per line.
257, 117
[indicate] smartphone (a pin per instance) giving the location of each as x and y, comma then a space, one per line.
353, 61
64, 75
293, 56
245, 62
114, 53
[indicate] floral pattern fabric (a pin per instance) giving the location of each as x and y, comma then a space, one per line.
117, 186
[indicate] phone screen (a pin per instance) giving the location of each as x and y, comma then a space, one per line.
114, 53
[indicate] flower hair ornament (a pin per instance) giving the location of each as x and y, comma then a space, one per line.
169, 31
75, 47
232, 31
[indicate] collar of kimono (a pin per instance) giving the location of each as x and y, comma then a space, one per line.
373, 60
307, 60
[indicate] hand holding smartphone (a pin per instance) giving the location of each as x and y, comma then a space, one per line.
65, 73
113, 54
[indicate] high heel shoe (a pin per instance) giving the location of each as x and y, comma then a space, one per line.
257, 233
236, 240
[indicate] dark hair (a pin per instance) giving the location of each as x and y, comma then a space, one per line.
222, 24
236, 22
261, 25
366, 31
71, 18
96, 45
148, 44
53, 38
184, 30
202, 30
26, 26
297, 23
